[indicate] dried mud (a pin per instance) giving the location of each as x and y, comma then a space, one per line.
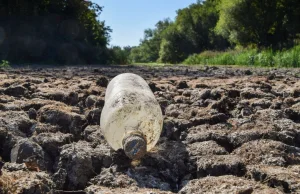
226, 130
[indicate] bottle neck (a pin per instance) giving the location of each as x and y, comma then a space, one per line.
135, 145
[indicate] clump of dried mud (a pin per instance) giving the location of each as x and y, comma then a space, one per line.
228, 130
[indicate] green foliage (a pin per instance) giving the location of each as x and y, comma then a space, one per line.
191, 32
261, 22
173, 46
120, 56
226, 24
4, 64
59, 31
289, 58
249, 57
148, 50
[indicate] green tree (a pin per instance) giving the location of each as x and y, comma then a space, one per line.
191, 32
259, 22
148, 50
119, 55
56, 31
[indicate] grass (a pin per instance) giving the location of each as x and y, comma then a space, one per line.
4, 64
248, 57
153, 64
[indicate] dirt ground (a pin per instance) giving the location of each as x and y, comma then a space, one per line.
226, 130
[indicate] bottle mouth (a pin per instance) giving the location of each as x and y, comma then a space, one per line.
135, 146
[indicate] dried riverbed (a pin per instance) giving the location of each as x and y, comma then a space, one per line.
226, 130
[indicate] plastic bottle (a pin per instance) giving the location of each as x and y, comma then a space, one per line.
131, 118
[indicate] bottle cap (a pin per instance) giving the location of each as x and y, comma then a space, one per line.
135, 146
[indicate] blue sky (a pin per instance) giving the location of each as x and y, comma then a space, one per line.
129, 19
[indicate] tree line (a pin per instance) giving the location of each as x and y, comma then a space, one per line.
219, 25
68, 31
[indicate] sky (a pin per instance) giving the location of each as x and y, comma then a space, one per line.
129, 19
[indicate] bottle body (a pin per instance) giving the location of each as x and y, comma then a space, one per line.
130, 108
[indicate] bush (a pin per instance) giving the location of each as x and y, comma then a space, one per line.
249, 57
4, 64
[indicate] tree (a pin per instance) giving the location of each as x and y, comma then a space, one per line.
56, 31
120, 56
148, 50
259, 22
191, 32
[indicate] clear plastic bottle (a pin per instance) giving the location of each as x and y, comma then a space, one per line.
131, 118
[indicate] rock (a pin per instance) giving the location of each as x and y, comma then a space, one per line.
217, 165
109, 177
249, 94
55, 95
102, 157
262, 104
268, 152
226, 184
102, 81
25, 182
206, 133
206, 148
16, 121
93, 134
90, 101
163, 104
216, 94
11, 167
16, 91
287, 131
134, 190
181, 111
8, 141
44, 128
248, 72
286, 180
100, 103
79, 162
234, 93
201, 86
76, 161
187, 93
94, 90
93, 116
293, 112
3, 136
170, 130
224, 105
32, 113
153, 87
26, 151
146, 177
51, 142
212, 120
182, 85
276, 105
269, 115
59, 178
203, 94
38, 103
170, 159
72, 98
296, 93
243, 136
62, 116
121, 160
